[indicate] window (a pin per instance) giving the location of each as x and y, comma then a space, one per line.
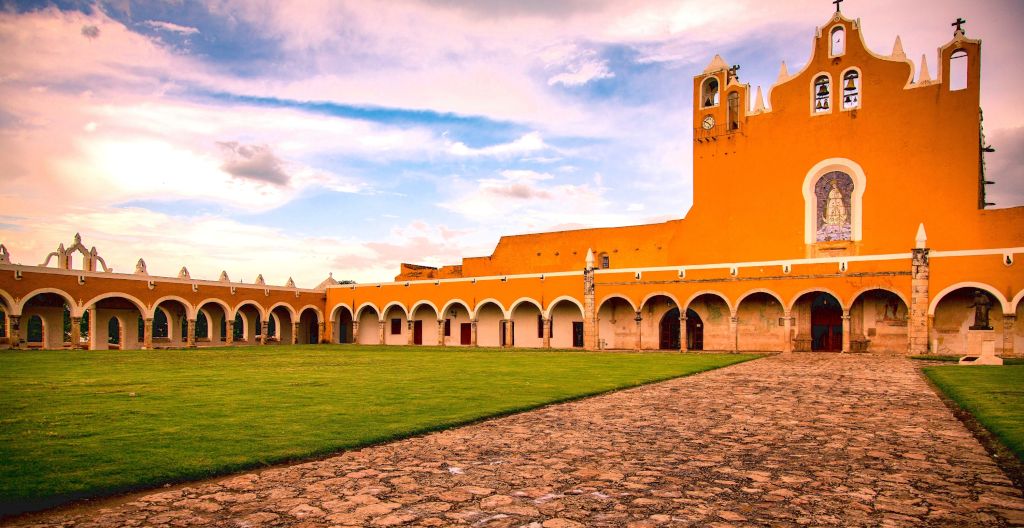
605, 261
851, 90
396, 326
838, 46
958, 70
734, 111
447, 327
709, 92
540, 326
3, 324
822, 95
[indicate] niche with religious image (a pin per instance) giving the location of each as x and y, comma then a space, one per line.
833, 193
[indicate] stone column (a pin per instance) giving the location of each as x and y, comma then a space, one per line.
589, 307
734, 329
682, 332
639, 318
230, 328
509, 332
264, 330
472, 334
787, 320
76, 333
409, 327
354, 338
546, 328
321, 332
147, 334
917, 326
440, 332
380, 332
1009, 321
295, 332
14, 330
846, 331
192, 333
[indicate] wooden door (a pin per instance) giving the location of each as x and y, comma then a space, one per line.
577, 334
417, 333
466, 334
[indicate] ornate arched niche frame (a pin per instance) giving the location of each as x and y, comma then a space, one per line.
856, 198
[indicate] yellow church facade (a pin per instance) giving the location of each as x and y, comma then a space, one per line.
848, 214
845, 212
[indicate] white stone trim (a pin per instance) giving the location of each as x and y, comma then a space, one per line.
1017, 299
141, 306
655, 294
492, 300
860, 89
610, 296
801, 293
1004, 304
387, 308
319, 313
73, 307
554, 302
259, 308
291, 311
976, 252
334, 311
823, 167
149, 278
424, 302
452, 302
515, 304
358, 314
723, 297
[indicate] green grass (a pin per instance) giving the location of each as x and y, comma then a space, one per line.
993, 394
954, 359
70, 428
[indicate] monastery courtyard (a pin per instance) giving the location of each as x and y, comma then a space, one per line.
800, 439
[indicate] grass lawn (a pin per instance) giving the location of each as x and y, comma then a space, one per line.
85, 423
993, 394
954, 359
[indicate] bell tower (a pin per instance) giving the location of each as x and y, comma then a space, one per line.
709, 100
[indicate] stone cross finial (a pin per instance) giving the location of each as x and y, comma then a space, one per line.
837, 2
732, 72
959, 25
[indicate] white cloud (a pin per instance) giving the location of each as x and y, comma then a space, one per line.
525, 144
173, 28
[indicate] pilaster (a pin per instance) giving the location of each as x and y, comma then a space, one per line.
321, 332
14, 330
1009, 322
639, 318
440, 332
846, 331
589, 308
295, 333
264, 330
354, 338
380, 332
76, 333
410, 337
682, 333
472, 336
917, 325
546, 329
230, 327
147, 334
191, 333
734, 329
787, 345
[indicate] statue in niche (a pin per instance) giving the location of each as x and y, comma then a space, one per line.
833, 192
981, 306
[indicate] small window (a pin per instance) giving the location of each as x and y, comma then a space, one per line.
851, 90
540, 326
958, 70
822, 95
734, 111
709, 92
396, 326
605, 261
838, 41
447, 327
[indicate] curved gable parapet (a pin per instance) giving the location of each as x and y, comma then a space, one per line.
789, 91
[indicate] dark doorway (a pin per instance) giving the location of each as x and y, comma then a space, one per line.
668, 330
114, 333
508, 333
466, 334
577, 334
314, 332
417, 332
826, 324
694, 331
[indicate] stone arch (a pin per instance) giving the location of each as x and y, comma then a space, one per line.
606, 298
189, 309
309, 327
657, 332
342, 329
365, 305
278, 329
422, 303
801, 293
714, 293
424, 326
566, 316
879, 319
251, 326
387, 308
289, 308
458, 326
448, 305
319, 313
953, 317
994, 292
758, 322
489, 300
100, 317
76, 311
216, 323
888, 289
823, 167
335, 310
1016, 302
526, 316
259, 308
370, 319
9, 303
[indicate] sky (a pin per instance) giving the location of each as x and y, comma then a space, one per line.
293, 138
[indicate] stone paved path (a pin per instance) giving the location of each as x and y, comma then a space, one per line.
807, 440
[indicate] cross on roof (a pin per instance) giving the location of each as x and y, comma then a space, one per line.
959, 25
837, 2
732, 71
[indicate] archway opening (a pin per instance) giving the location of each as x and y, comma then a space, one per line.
759, 323
170, 324
114, 333
395, 323
248, 324
369, 326
878, 323
527, 326
215, 331
35, 332
490, 325
53, 328
458, 327
961, 313
424, 325
309, 327
654, 334
712, 314
616, 324
279, 325
826, 324
343, 326
566, 325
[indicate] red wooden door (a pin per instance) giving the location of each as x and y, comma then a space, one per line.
466, 334
417, 333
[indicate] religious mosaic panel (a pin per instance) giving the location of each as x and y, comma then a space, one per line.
833, 193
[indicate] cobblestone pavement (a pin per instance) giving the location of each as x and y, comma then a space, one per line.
802, 440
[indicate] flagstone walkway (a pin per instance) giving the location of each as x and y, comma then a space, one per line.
817, 440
